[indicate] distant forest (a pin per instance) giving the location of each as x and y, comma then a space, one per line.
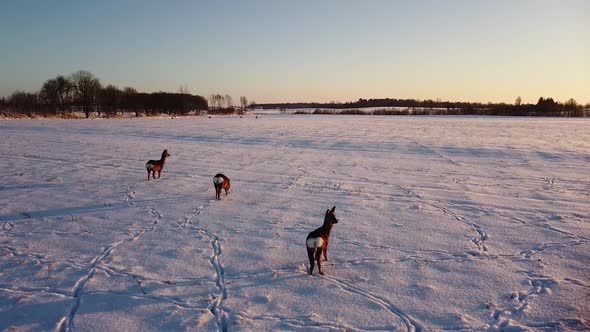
543, 107
83, 92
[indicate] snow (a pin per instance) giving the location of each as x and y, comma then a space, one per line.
446, 223
368, 110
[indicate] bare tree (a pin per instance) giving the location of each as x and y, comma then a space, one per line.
571, 107
86, 87
24, 102
48, 94
64, 91
572, 103
219, 100
212, 100
129, 100
183, 89
229, 101
518, 101
56, 93
109, 99
129, 90
243, 103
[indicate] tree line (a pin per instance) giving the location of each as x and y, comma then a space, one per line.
218, 101
543, 107
82, 91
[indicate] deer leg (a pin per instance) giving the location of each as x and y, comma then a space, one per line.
310, 252
159, 174
326, 250
148, 174
318, 258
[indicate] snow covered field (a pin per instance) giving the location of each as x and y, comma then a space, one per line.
446, 223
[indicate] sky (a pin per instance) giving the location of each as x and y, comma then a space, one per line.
303, 51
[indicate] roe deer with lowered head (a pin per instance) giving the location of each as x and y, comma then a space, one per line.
318, 240
220, 181
154, 166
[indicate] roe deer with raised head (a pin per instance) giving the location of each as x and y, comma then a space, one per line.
318, 240
154, 166
220, 181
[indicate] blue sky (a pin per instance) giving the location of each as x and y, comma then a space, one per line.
272, 51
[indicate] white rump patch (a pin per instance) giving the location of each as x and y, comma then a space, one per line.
218, 180
149, 166
314, 242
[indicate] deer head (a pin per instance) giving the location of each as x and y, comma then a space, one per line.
330, 217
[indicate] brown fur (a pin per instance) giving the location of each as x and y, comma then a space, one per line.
225, 185
154, 166
324, 233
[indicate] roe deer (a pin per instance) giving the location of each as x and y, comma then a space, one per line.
156, 165
318, 240
220, 181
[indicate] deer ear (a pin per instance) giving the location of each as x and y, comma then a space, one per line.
334, 208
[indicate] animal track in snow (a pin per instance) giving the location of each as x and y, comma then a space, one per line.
544, 246
548, 183
411, 324
296, 323
156, 216
7, 226
521, 301
188, 220
294, 181
216, 304
130, 196
482, 235
301, 322
541, 284
66, 323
